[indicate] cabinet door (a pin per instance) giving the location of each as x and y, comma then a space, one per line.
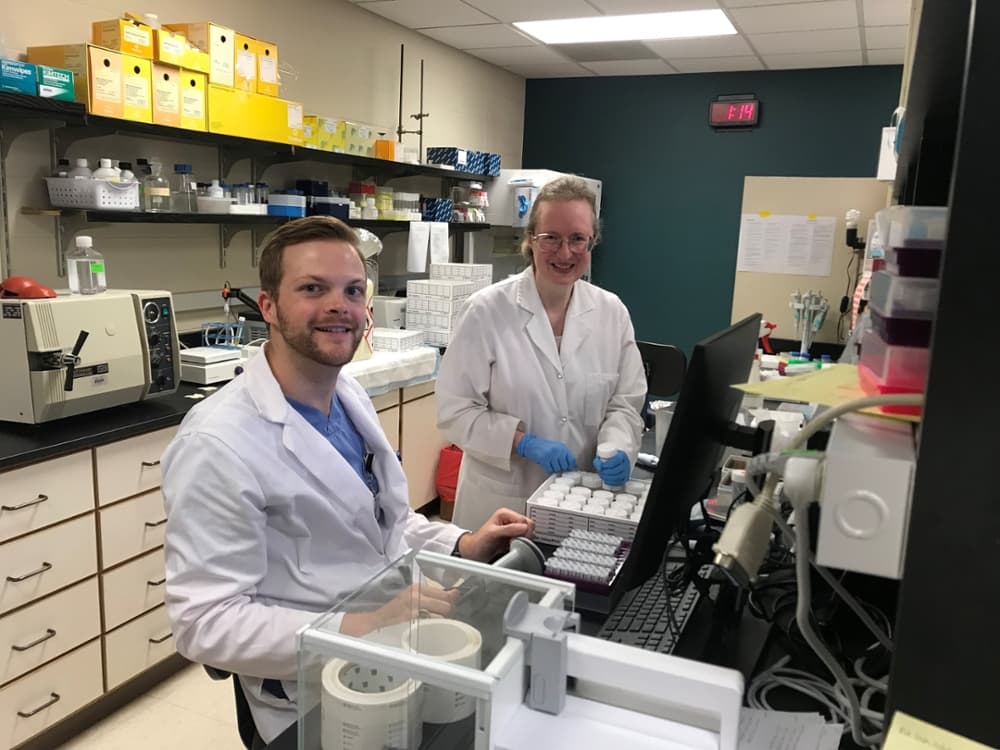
45, 493
131, 527
133, 588
134, 647
42, 631
40, 563
421, 446
48, 695
131, 466
389, 419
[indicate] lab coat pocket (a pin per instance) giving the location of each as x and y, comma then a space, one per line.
596, 397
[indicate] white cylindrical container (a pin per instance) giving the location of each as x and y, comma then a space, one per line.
367, 709
590, 481
572, 502
627, 505
554, 494
602, 502
634, 487
617, 513
614, 488
602, 495
549, 502
563, 482
626, 497
454, 642
606, 451
573, 476
594, 509
581, 491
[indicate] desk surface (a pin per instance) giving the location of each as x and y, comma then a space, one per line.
27, 443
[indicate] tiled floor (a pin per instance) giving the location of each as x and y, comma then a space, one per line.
189, 711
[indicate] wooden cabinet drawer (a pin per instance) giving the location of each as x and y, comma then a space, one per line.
137, 646
389, 419
38, 700
45, 493
420, 446
131, 466
131, 528
46, 560
386, 400
420, 390
133, 588
42, 631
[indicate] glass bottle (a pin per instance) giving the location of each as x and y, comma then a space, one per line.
155, 190
85, 268
183, 190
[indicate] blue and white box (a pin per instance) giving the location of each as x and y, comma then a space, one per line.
493, 165
437, 209
18, 76
451, 156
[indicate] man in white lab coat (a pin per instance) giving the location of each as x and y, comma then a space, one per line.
542, 368
282, 493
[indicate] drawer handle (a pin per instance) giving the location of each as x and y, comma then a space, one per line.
32, 574
159, 582
153, 524
49, 633
162, 638
37, 501
151, 464
50, 702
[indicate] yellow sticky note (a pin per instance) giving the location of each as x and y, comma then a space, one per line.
830, 386
908, 733
764, 214
812, 217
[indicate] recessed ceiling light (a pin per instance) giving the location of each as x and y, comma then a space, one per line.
641, 26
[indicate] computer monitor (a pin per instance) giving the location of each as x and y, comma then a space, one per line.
694, 446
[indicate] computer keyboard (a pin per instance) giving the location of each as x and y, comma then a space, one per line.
647, 618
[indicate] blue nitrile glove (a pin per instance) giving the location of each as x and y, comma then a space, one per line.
614, 471
549, 454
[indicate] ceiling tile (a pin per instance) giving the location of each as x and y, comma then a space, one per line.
533, 10
427, 13
600, 51
615, 7
886, 56
832, 40
756, 3
717, 64
488, 35
833, 14
814, 59
549, 70
505, 56
629, 67
886, 12
731, 45
885, 37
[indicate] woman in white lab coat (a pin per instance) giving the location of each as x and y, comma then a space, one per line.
542, 368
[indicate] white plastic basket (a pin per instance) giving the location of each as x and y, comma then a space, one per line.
428, 320
467, 271
449, 307
395, 340
70, 192
553, 524
441, 288
437, 338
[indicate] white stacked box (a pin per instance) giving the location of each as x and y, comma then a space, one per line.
437, 338
441, 288
396, 340
429, 321
449, 307
468, 271
556, 518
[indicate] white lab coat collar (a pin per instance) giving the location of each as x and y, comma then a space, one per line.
300, 438
578, 323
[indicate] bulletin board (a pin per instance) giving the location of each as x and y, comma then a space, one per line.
770, 293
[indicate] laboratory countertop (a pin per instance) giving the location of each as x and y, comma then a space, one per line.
22, 444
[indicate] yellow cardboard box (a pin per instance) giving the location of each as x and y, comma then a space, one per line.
218, 41
247, 115
169, 47
194, 112
267, 69
166, 95
97, 74
137, 93
310, 131
332, 134
245, 74
126, 35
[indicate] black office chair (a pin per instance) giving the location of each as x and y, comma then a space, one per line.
244, 719
665, 366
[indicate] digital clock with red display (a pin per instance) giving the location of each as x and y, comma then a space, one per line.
734, 113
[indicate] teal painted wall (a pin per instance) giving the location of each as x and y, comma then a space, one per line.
673, 187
